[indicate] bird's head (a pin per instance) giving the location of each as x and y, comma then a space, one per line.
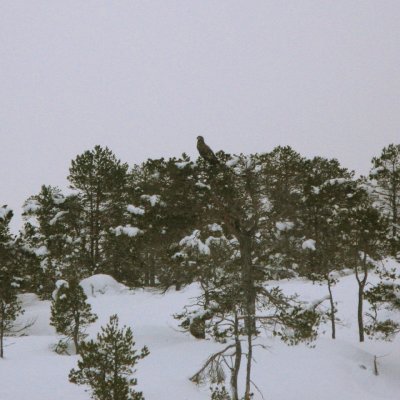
200, 138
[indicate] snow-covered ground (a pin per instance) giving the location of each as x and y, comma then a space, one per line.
334, 369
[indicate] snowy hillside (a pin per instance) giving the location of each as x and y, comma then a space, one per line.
340, 369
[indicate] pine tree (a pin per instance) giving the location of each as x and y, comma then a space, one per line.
167, 191
100, 179
323, 209
365, 230
10, 306
44, 237
240, 204
385, 182
107, 364
70, 314
384, 300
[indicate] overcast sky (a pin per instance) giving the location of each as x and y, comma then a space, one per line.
146, 77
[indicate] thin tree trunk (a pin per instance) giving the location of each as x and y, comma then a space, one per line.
97, 233
152, 274
360, 313
361, 285
332, 313
248, 282
238, 359
250, 304
76, 334
247, 395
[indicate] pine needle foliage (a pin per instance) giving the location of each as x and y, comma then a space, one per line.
107, 364
71, 314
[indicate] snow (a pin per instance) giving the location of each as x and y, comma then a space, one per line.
31, 205
59, 284
128, 230
334, 369
308, 244
336, 181
284, 225
153, 199
33, 221
182, 164
231, 163
102, 284
194, 241
315, 189
215, 227
202, 185
58, 199
266, 205
376, 171
135, 210
4, 211
178, 255
41, 251
57, 217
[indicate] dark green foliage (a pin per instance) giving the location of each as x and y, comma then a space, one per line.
385, 296
234, 263
107, 364
385, 184
10, 306
54, 236
44, 238
100, 179
219, 393
71, 314
266, 208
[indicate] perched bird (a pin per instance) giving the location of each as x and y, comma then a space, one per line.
205, 151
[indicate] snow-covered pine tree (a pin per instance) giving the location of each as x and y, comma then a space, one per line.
166, 190
107, 364
366, 234
44, 236
323, 207
239, 202
10, 306
215, 312
100, 180
384, 300
70, 314
385, 183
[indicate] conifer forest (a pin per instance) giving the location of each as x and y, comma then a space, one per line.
235, 227
199, 200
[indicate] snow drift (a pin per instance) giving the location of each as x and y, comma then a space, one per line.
102, 284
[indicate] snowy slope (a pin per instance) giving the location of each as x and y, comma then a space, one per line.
340, 369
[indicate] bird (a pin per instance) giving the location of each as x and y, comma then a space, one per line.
205, 151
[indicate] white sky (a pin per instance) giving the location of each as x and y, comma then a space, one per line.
147, 77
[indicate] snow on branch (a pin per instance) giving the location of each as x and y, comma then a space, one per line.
135, 210
128, 230
309, 244
193, 241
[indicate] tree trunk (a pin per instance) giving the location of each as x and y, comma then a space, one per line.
91, 221
238, 359
76, 334
361, 285
332, 313
360, 313
250, 303
247, 394
248, 282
